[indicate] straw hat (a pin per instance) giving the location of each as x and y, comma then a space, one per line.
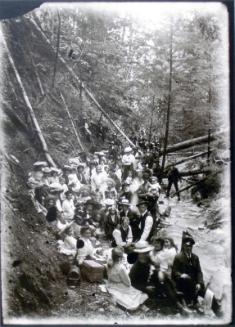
125, 202
40, 164
109, 202
143, 247
46, 170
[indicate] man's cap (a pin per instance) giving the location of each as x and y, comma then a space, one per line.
187, 238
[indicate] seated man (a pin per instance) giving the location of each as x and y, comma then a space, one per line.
125, 211
122, 234
187, 273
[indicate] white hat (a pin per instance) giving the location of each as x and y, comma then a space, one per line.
46, 170
109, 202
143, 247
56, 187
101, 154
40, 164
127, 149
56, 170
125, 201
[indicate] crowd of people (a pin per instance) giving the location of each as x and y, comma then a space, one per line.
111, 197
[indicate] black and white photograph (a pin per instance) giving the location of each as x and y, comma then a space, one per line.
115, 163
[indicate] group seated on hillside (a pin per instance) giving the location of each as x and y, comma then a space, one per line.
106, 207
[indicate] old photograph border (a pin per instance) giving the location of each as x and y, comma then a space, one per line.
13, 10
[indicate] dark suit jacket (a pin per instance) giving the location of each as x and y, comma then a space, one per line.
191, 267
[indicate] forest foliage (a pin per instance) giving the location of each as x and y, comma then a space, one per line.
126, 65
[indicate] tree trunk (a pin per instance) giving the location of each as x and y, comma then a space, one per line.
86, 91
30, 109
72, 123
57, 50
151, 121
209, 121
192, 142
188, 159
168, 101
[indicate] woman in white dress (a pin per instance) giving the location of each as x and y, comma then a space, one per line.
119, 284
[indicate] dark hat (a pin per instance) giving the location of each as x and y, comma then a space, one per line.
147, 171
142, 202
92, 202
187, 238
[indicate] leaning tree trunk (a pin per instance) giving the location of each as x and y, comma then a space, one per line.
168, 101
57, 50
30, 109
81, 84
72, 122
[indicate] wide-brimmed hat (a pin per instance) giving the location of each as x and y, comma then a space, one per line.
81, 164
46, 170
40, 164
143, 247
142, 202
154, 179
56, 187
124, 201
127, 149
92, 202
109, 202
56, 170
101, 153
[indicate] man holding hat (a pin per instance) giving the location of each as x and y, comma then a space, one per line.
186, 271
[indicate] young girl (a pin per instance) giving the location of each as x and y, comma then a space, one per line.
119, 284
163, 256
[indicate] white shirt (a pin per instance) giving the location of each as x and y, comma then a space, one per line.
97, 180
68, 209
164, 258
128, 159
147, 227
118, 237
87, 250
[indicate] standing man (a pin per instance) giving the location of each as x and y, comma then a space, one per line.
173, 178
146, 224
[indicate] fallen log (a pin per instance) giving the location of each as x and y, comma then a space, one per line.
192, 142
194, 172
29, 107
201, 154
81, 84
